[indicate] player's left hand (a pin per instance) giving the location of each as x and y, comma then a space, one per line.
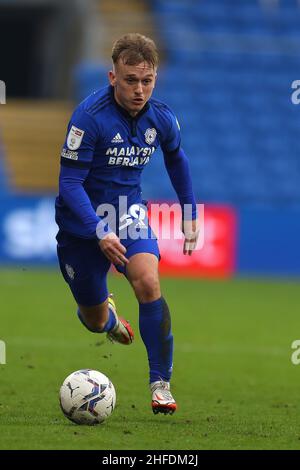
190, 229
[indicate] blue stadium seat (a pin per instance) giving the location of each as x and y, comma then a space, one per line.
228, 77
238, 123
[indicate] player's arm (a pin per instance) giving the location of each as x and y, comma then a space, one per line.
76, 161
178, 169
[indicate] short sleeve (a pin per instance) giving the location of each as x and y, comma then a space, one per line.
81, 138
173, 137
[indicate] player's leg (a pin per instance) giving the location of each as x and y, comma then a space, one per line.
84, 268
103, 318
96, 318
154, 323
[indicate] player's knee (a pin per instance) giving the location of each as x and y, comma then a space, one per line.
147, 288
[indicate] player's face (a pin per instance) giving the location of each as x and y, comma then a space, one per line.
133, 85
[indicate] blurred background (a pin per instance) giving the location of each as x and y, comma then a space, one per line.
227, 68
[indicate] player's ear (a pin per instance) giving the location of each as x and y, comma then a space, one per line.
112, 77
155, 78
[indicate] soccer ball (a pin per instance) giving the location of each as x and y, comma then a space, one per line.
87, 397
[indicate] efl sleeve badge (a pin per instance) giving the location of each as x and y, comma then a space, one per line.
75, 137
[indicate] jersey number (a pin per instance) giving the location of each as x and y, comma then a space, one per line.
135, 213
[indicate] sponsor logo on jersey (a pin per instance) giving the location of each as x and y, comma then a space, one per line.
69, 154
126, 161
117, 139
75, 137
150, 136
129, 156
132, 151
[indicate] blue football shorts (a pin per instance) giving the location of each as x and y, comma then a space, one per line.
84, 266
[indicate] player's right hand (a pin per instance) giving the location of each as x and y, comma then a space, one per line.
191, 230
113, 249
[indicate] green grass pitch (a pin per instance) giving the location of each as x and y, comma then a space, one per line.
233, 379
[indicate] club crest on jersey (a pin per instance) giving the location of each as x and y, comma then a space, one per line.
150, 135
74, 138
70, 271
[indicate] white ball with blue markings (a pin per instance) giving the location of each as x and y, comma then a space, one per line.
87, 397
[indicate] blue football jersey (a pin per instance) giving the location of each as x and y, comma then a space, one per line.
115, 147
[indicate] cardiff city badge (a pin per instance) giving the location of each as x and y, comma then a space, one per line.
70, 271
150, 136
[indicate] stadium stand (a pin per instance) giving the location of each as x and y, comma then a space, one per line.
230, 74
227, 73
3, 176
33, 132
119, 17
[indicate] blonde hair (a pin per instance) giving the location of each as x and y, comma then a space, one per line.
134, 48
